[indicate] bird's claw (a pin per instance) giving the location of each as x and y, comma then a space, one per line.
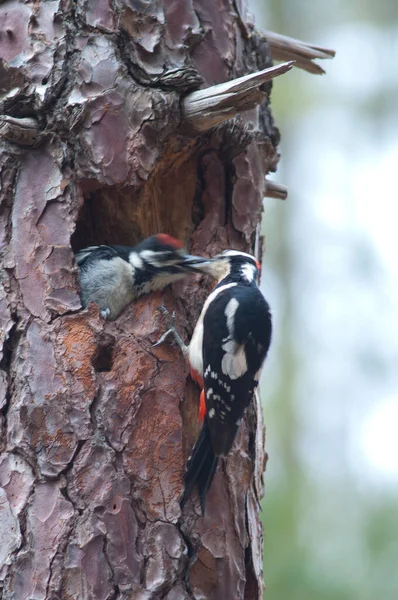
171, 329
105, 312
170, 322
162, 338
163, 309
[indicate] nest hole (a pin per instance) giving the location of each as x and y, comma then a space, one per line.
108, 216
127, 215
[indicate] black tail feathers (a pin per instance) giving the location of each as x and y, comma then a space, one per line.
201, 467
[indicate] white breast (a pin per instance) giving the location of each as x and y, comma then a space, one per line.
195, 352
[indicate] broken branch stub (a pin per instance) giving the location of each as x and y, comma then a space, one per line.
209, 107
275, 190
283, 47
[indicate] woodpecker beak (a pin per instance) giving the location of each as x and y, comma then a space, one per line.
196, 263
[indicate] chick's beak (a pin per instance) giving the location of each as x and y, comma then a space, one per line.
196, 263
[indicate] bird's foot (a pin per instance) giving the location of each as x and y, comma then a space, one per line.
105, 312
171, 324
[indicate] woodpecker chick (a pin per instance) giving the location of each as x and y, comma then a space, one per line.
113, 276
228, 347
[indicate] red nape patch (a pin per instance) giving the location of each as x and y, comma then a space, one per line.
202, 407
168, 240
258, 265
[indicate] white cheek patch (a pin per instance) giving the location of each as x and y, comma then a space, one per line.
148, 255
152, 258
248, 271
135, 260
222, 270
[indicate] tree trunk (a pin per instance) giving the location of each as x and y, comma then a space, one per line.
100, 146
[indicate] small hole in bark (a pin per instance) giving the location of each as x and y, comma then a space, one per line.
102, 360
44, 80
114, 507
10, 33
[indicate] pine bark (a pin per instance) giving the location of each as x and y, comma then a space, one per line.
96, 424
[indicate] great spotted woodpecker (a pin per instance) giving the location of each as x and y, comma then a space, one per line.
113, 276
228, 347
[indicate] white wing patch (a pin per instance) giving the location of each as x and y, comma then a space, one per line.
234, 362
230, 311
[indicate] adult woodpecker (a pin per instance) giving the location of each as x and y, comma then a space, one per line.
228, 347
113, 276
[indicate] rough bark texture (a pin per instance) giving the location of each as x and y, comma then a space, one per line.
95, 424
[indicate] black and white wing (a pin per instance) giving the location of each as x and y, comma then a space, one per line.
237, 334
91, 254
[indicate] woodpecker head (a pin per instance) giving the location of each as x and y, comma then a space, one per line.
231, 263
161, 259
112, 276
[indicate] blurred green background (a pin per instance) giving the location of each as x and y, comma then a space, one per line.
331, 275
